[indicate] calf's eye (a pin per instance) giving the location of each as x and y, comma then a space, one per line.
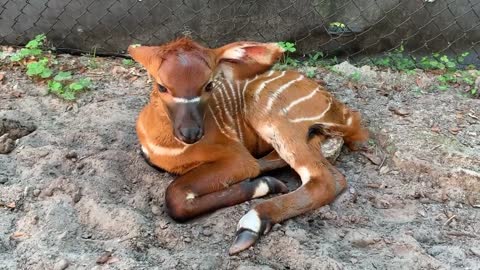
162, 89
209, 87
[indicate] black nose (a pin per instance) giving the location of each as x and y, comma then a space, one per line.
190, 134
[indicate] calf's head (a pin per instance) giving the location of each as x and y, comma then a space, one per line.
183, 72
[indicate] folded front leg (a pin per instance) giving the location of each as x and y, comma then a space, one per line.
215, 185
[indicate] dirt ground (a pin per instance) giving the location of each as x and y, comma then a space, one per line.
76, 194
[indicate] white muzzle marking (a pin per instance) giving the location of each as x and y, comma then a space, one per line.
185, 100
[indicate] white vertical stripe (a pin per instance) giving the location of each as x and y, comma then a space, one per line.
225, 107
247, 82
269, 73
221, 108
235, 116
238, 108
218, 124
300, 100
280, 90
263, 84
313, 118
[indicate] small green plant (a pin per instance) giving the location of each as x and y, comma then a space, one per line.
310, 71
39, 68
42, 66
287, 61
63, 86
356, 76
32, 49
289, 47
128, 62
396, 60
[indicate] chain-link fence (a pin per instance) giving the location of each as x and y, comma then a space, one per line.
345, 28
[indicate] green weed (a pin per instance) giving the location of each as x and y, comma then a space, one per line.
41, 65
32, 49
92, 59
286, 60
356, 76
128, 62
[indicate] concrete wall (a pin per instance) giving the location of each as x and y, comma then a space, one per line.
375, 25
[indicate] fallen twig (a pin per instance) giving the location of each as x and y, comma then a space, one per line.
459, 233
383, 161
449, 220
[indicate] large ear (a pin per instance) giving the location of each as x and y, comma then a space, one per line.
147, 56
241, 60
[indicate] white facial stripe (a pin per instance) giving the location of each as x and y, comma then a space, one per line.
164, 151
151, 148
304, 174
145, 151
261, 190
300, 100
280, 90
250, 221
263, 84
313, 118
184, 100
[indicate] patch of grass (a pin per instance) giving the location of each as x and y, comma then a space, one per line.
92, 62
396, 60
447, 67
42, 66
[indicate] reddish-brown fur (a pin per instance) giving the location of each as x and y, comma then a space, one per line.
244, 118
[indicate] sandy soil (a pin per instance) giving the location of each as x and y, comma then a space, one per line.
76, 194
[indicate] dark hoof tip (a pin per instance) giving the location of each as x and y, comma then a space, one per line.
275, 185
243, 240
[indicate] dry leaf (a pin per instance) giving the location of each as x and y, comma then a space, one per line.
119, 69
11, 205
454, 130
2, 76
132, 79
113, 260
374, 185
399, 111
435, 129
18, 234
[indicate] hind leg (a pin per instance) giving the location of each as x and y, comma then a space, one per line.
321, 183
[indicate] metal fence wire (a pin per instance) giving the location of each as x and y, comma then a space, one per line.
354, 29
